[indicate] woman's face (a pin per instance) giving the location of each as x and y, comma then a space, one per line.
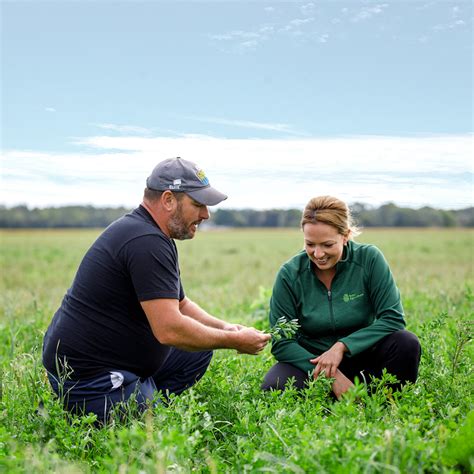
323, 244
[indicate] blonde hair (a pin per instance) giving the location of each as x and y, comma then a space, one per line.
332, 211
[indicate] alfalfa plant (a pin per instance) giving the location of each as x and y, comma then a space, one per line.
463, 336
284, 328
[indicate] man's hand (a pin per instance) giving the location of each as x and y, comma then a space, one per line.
329, 361
251, 340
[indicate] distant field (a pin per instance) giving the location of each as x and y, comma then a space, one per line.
225, 424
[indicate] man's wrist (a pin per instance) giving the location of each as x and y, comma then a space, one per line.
233, 340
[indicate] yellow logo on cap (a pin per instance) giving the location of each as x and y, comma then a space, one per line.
202, 177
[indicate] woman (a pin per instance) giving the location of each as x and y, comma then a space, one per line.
347, 304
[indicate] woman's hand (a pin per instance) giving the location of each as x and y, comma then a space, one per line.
329, 361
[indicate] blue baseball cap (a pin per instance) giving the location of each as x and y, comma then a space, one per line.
179, 175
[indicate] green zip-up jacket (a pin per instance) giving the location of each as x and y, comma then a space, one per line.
362, 306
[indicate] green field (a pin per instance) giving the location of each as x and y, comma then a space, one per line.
225, 423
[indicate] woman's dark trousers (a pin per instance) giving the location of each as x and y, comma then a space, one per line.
398, 352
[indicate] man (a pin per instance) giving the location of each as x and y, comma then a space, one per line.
125, 326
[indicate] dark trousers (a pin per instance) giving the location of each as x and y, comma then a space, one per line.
98, 395
398, 352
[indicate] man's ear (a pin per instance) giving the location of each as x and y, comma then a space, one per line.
168, 200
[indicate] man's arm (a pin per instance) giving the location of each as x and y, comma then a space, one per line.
173, 328
194, 311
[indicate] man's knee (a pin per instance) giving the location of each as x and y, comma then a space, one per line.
208, 357
99, 395
203, 361
182, 370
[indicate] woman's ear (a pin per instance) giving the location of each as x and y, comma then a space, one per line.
347, 237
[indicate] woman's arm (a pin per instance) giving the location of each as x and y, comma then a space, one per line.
284, 304
386, 302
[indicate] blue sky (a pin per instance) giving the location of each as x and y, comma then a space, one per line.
277, 101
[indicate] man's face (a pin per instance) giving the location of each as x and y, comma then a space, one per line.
185, 219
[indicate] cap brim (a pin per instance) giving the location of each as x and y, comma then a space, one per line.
207, 196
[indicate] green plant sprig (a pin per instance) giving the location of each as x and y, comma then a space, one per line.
284, 328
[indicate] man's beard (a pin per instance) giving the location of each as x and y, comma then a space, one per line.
177, 227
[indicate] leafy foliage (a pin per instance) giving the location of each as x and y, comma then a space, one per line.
284, 328
459, 448
226, 423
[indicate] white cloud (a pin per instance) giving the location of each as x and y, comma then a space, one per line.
50, 109
305, 22
275, 127
427, 5
222, 37
367, 13
235, 34
433, 170
243, 40
123, 128
323, 38
308, 9
252, 44
296, 23
449, 26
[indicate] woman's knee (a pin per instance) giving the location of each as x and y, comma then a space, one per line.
278, 376
407, 343
400, 354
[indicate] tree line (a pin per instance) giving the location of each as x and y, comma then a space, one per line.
387, 215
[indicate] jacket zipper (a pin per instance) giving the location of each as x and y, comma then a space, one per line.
331, 311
